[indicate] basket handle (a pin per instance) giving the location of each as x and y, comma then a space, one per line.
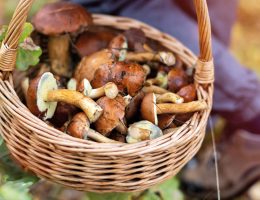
204, 70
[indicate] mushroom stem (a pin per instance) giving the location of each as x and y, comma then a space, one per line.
58, 48
169, 98
110, 90
98, 137
181, 108
91, 108
154, 89
166, 58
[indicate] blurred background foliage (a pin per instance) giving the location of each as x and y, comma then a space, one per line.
17, 185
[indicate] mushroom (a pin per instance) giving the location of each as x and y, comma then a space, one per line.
118, 46
164, 57
150, 109
141, 131
165, 120
90, 64
177, 78
43, 95
188, 93
168, 97
91, 42
160, 80
109, 89
79, 127
58, 21
72, 84
129, 77
134, 106
113, 116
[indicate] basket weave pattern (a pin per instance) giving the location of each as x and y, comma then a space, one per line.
89, 166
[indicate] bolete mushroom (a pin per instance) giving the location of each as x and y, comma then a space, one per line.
109, 89
165, 120
177, 78
79, 127
150, 108
91, 42
188, 93
141, 131
129, 77
43, 95
113, 116
58, 20
90, 64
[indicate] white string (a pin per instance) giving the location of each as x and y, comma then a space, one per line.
215, 156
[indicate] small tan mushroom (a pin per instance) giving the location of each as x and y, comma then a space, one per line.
113, 116
150, 109
141, 131
109, 89
43, 95
79, 127
58, 21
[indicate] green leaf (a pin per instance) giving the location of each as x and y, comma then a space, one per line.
109, 196
18, 190
27, 30
28, 55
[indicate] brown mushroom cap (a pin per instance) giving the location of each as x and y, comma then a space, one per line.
114, 112
129, 77
79, 125
61, 17
90, 64
165, 120
177, 78
148, 108
188, 93
91, 42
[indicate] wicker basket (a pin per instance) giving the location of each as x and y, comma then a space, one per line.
89, 166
